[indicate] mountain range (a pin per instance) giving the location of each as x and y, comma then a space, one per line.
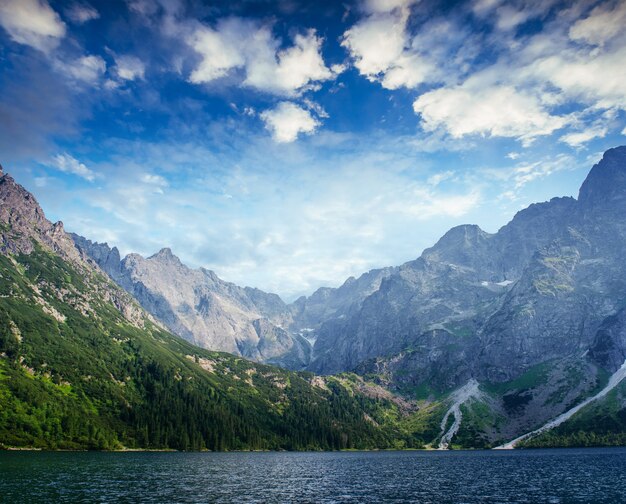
84, 366
503, 293
481, 339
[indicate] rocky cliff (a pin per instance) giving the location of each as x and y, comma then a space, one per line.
487, 336
493, 306
203, 309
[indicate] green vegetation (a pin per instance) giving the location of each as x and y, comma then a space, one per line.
478, 418
75, 374
535, 376
412, 425
602, 423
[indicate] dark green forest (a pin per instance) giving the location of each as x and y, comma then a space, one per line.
599, 424
74, 374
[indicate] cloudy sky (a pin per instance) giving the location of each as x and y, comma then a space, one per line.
290, 144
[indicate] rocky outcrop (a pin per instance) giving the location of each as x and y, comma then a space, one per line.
499, 304
203, 309
23, 223
609, 344
24, 229
475, 305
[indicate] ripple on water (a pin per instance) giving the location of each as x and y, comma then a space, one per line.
530, 476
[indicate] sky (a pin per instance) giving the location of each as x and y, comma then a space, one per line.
288, 145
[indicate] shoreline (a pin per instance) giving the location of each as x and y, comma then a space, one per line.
171, 450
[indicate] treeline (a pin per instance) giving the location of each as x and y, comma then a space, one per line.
92, 381
604, 425
580, 439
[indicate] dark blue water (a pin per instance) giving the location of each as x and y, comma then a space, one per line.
531, 476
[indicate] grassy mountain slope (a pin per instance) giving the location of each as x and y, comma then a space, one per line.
83, 366
74, 373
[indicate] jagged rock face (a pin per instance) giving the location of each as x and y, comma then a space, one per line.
539, 289
609, 345
200, 307
107, 258
326, 303
530, 230
23, 221
454, 286
488, 306
24, 228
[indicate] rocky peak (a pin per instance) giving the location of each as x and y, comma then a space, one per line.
606, 182
18, 205
166, 256
464, 245
24, 221
104, 256
210, 274
464, 236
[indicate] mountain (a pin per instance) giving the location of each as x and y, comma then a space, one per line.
494, 305
203, 309
516, 338
533, 313
82, 365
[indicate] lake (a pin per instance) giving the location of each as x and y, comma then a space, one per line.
523, 476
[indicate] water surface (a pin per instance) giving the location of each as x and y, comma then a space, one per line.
527, 476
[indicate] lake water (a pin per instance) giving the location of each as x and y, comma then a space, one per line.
529, 476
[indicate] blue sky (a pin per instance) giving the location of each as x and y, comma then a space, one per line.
288, 144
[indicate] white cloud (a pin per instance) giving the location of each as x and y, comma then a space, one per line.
438, 178
577, 138
32, 22
602, 24
80, 13
499, 111
327, 213
383, 6
251, 47
376, 43
528, 171
158, 182
428, 204
409, 70
86, 69
68, 164
220, 51
292, 70
315, 107
524, 173
507, 15
143, 7
287, 120
129, 67
381, 49
153, 179
594, 79
499, 83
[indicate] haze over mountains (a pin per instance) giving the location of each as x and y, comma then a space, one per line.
482, 339
487, 305
198, 306
83, 366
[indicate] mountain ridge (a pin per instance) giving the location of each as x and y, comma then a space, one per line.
488, 265
200, 307
497, 338
83, 366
